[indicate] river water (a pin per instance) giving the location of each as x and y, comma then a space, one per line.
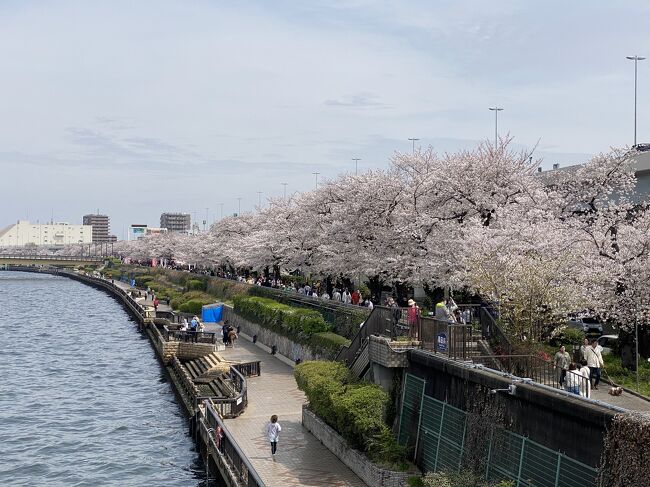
83, 399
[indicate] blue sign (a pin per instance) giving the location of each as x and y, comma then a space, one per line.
441, 342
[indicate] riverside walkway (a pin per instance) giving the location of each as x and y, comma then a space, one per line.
301, 459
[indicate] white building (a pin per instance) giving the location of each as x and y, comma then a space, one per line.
26, 233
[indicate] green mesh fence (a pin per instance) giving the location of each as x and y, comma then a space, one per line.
410, 413
439, 430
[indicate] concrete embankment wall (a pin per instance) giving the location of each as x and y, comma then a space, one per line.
547, 416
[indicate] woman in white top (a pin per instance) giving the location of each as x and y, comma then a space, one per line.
273, 432
585, 387
573, 379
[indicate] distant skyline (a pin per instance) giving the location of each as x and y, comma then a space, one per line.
140, 108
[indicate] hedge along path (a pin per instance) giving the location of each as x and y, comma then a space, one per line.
301, 459
302, 325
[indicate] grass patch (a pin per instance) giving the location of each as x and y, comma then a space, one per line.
625, 377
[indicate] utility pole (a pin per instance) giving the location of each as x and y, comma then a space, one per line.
221, 211
413, 139
259, 199
316, 173
285, 191
205, 222
636, 60
496, 111
239, 206
356, 165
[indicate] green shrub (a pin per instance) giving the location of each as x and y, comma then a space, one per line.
356, 410
296, 323
360, 414
226, 289
327, 342
193, 306
178, 300
143, 280
323, 383
196, 285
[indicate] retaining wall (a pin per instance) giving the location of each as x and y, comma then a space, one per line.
367, 471
547, 416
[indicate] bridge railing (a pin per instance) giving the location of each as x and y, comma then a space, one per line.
66, 258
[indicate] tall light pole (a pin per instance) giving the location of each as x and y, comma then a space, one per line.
496, 111
413, 139
636, 60
205, 222
316, 174
239, 206
259, 198
356, 165
285, 190
221, 211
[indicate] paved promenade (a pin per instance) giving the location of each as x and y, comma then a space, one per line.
625, 400
301, 459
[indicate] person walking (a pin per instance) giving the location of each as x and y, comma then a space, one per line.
347, 297
561, 361
585, 386
396, 315
594, 362
413, 315
273, 431
573, 379
583, 349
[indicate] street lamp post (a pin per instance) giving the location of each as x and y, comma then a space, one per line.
636, 60
356, 165
221, 211
239, 206
413, 139
316, 174
496, 111
205, 222
285, 190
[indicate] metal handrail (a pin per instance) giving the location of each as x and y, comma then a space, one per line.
231, 451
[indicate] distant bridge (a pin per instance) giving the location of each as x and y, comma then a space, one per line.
51, 260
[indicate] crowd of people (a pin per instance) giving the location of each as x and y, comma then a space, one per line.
581, 376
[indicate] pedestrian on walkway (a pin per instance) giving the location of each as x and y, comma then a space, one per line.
583, 349
273, 431
573, 379
155, 303
562, 361
585, 387
594, 362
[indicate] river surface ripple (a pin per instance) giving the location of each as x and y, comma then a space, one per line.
83, 400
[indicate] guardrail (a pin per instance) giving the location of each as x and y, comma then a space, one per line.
249, 369
188, 336
450, 338
231, 407
492, 332
229, 450
537, 369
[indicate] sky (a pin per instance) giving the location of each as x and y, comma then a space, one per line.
137, 108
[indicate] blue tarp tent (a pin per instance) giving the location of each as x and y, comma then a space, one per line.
212, 313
